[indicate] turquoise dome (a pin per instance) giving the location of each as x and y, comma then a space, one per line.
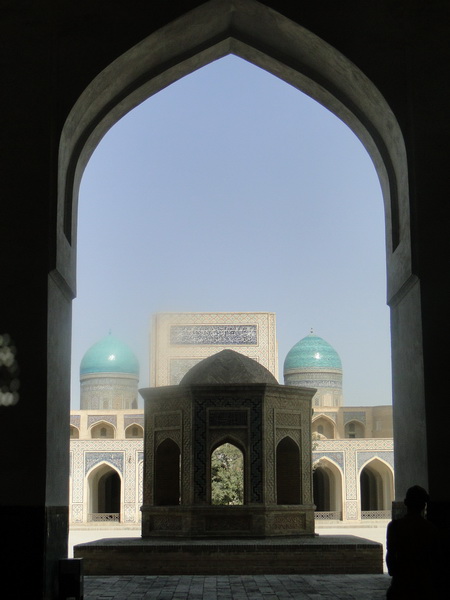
109, 355
312, 352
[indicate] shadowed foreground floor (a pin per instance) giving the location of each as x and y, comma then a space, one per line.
237, 587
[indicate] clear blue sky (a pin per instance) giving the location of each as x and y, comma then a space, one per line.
232, 191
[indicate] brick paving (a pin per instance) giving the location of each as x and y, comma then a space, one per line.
237, 587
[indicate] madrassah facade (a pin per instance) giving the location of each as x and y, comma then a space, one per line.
353, 476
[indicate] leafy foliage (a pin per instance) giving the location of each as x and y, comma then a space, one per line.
227, 476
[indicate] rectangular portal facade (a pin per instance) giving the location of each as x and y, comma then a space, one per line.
178, 341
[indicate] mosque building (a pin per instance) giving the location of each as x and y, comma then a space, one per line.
353, 477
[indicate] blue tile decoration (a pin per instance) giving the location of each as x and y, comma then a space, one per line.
130, 419
354, 416
337, 457
314, 383
312, 352
363, 457
75, 420
214, 335
109, 355
92, 459
92, 419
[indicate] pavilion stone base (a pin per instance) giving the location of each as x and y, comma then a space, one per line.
296, 555
230, 521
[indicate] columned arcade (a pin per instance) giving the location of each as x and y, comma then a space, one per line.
71, 70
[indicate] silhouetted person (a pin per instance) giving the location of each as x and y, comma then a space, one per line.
412, 550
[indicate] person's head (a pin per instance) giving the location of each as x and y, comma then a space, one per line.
416, 498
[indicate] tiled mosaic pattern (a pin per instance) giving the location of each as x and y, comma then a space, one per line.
213, 335
252, 334
356, 453
123, 456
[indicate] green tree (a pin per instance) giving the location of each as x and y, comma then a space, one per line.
227, 476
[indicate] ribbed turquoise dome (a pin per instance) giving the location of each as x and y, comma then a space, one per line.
312, 352
109, 355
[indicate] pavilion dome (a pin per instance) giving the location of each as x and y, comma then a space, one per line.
312, 352
228, 366
109, 355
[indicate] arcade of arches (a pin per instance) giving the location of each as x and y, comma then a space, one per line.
381, 67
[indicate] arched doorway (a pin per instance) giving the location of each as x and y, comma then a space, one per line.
327, 490
376, 490
167, 474
227, 475
104, 489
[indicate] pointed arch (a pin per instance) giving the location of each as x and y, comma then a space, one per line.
102, 429
267, 39
327, 488
134, 431
376, 486
227, 472
288, 472
324, 426
167, 471
355, 429
104, 489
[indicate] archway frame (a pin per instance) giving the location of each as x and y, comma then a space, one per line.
107, 425
105, 466
234, 440
357, 422
328, 420
338, 474
389, 473
264, 37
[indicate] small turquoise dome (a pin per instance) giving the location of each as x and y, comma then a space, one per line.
109, 355
312, 352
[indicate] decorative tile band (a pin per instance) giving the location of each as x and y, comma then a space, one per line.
113, 458
217, 335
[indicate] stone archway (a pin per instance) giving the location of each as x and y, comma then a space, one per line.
327, 490
269, 40
376, 489
104, 490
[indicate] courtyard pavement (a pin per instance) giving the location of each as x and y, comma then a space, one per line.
235, 587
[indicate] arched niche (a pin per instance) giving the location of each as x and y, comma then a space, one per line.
288, 472
354, 429
103, 430
166, 486
324, 427
134, 431
74, 432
